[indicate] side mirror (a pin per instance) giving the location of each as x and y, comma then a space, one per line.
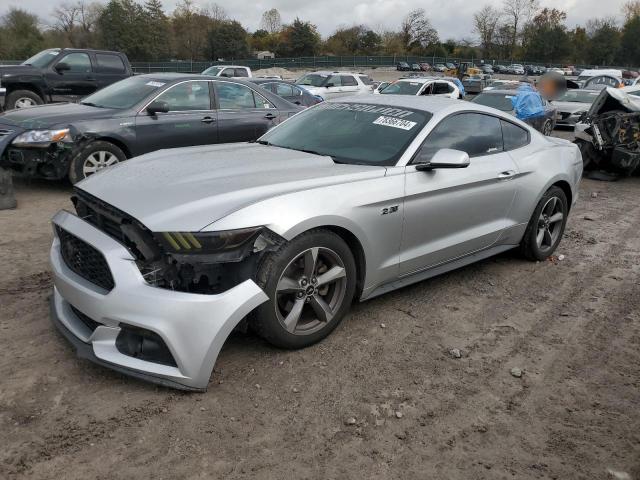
157, 107
445, 158
62, 67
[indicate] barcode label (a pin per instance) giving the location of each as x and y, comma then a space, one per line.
394, 122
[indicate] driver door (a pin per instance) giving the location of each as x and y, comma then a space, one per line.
76, 82
450, 213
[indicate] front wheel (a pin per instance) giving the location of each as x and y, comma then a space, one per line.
93, 159
310, 283
22, 99
546, 226
547, 128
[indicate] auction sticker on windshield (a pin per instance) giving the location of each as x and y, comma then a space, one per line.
394, 122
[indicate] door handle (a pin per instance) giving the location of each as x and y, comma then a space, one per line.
270, 116
506, 174
208, 120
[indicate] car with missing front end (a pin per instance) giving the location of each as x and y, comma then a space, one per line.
132, 117
167, 253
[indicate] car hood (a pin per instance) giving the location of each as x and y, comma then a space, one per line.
11, 70
571, 107
186, 189
46, 116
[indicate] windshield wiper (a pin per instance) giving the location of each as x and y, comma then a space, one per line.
264, 142
89, 104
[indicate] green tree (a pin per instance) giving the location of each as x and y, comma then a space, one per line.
123, 26
579, 44
417, 33
629, 42
158, 32
228, 40
20, 36
356, 40
190, 27
300, 39
545, 38
604, 41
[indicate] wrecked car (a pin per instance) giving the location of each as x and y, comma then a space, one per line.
609, 134
352, 198
135, 116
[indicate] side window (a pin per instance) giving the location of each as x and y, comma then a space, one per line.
428, 90
348, 81
474, 133
440, 88
366, 80
109, 63
78, 62
296, 91
283, 90
228, 72
241, 72
187, 96
336, 80
513, 136
236, 96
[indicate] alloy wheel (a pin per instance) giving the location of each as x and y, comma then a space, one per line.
546, 129
549, 224
98, 161
25, 102
310, 291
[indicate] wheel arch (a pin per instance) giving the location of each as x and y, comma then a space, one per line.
566, 188
118, 143
26, 86
357, 250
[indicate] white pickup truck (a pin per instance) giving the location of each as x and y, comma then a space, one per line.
230, 71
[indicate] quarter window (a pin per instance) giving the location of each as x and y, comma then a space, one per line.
348, 81
241, 72
187, 96
78, 62
109, 63
513, 136
336, 80
283, 90
474, 133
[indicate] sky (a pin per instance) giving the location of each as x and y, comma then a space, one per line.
452, 18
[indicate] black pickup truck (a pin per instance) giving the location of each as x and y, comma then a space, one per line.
60, 75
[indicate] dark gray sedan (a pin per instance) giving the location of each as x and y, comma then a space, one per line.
132, 117
292, 93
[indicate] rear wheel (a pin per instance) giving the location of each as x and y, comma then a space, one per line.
310, 283
93, 159
22, 99
547, 128
546, 226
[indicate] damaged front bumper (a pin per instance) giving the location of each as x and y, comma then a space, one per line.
50, 163
181, 332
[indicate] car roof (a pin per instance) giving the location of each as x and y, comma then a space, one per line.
499, 92
333, 72
173, 76
418, 79
231, 66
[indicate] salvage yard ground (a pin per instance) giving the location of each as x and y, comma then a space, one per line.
382, 397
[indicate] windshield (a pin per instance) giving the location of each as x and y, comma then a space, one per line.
499, 101
403, 88
313, 80
125, 93
579, 96
213, 71
42, 59
353, 133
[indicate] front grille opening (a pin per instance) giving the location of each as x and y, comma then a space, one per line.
84, 260
90, 323
144, 345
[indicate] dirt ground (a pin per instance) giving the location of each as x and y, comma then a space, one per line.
371, 401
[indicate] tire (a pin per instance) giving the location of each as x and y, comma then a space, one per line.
285, 276
589, 154
547, 128
22, 99
542, 225
94, 158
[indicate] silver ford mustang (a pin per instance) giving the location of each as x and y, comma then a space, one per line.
169, 252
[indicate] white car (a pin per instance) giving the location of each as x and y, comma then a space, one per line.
516, 69
328, 85
423, 86
229, 71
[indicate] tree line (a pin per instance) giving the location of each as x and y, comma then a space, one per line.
520, 29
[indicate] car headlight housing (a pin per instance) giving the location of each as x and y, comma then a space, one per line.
222, 246
42, 138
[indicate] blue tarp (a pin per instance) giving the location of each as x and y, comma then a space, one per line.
460, 86
527, 103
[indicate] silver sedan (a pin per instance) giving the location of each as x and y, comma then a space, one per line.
167, 253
